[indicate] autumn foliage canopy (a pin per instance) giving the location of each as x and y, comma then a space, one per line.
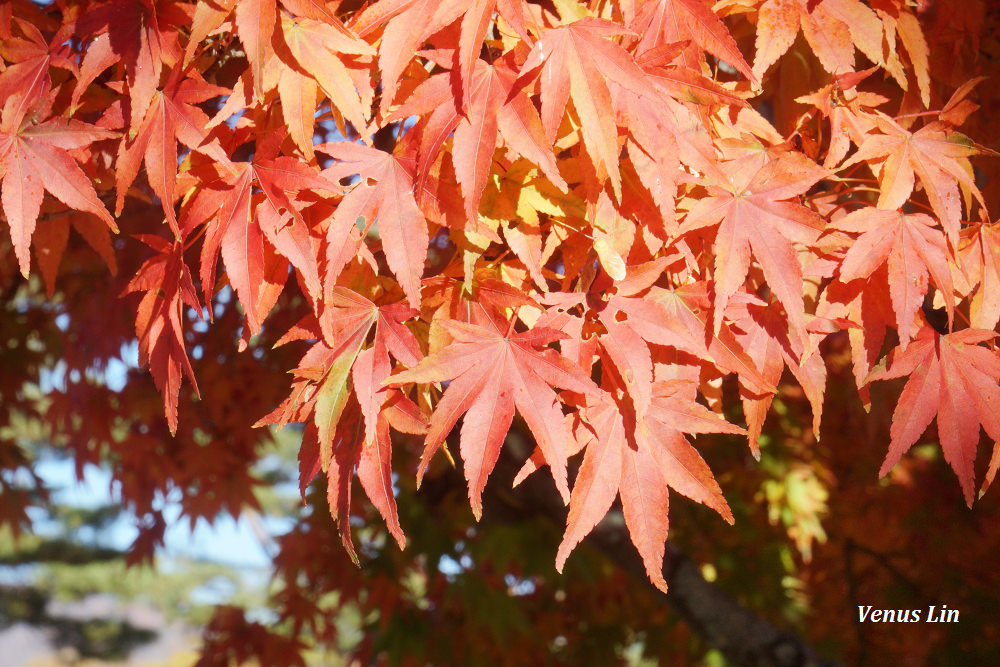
620, 222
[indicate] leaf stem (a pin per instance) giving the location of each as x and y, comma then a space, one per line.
918, 114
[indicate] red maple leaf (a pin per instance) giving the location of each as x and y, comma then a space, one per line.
318, 47
692, 23
37, 158
832, 29
936, 153
981, 260
497, 108
255, 20
248, 228
475, 24
409, 23
662, 458
383, 196
865, 303
754, 214
578, 61
142, 35
762, 330
955, 378
638, 318
688, 307
171, 116
911, 246
490, 375
325, 378
159, 325
25, 82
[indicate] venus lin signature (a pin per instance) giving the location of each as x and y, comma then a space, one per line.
934, 615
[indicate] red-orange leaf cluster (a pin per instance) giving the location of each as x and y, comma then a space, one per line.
585, 214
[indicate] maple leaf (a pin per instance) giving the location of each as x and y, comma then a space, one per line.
339, 473
762, 330
778, 23
349, 309
171, 116
695, 147
137, 38
688, 307
664, 22
577, 61
255, 23
290, 235
208, 17
497, 108
981, 259
959, 107
325, 378
911, 247
99, 56
912, 36
26, 81
37, 158
371, 461
321, 388
159, 325
316, 48
842, 103
654, 154
637, 317
833, 29
934, 152
407, 25
490, 375
682, 83
663, 458
299, 95
480, 300
753, 214
493, 109
955, 378
475, 23
383, 196
865, 302
672, 318
382, 407
866, 32
239, 237
623, 346
247, 228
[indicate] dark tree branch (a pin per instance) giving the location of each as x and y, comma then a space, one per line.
59, 550
725, 624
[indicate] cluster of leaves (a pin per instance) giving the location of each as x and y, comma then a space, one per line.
602, 177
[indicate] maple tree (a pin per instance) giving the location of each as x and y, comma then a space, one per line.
620, 221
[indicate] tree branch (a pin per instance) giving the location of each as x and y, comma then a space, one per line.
59, 550
725, 624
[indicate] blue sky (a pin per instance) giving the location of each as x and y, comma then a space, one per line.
228, 541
